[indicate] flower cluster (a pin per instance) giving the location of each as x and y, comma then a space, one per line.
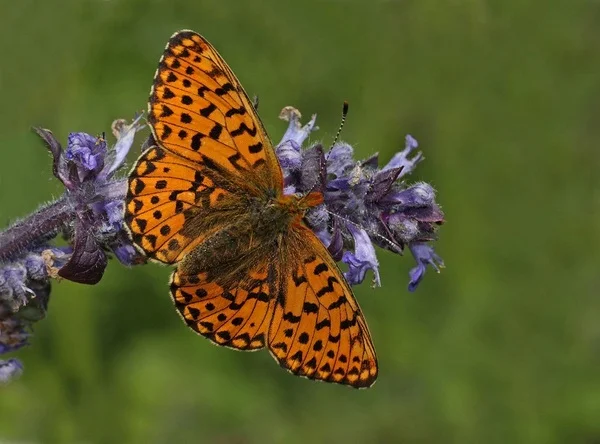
86, 169
364, 205
89, 214
24, 295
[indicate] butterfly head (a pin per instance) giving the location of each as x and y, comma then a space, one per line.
293, 207
300, 204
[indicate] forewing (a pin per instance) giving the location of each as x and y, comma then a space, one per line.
318, 330
235, 316
199, 110
164, 191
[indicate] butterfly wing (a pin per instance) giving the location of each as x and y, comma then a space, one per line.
318, 330
213, 152
235, 316
198, 110
164, 192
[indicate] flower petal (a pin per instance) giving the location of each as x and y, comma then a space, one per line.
114, 213
88, 261
295, 131
424, 255
10, 369
401, 159
362, 260
86, 153
419, 195
340, 159
127, 254
125, 134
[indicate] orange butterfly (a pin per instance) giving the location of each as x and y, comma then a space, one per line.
208, 197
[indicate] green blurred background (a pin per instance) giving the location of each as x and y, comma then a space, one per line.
504, 98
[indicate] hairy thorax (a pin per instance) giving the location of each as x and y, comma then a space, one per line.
249, 231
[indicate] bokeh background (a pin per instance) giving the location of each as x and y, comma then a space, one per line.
504, 98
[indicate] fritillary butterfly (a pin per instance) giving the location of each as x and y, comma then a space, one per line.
207, 196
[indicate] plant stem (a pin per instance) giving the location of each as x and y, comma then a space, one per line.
34, 230
47, 222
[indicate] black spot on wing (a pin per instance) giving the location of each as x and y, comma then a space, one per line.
329, 287
215, 131
243, 128
321, 268
298, 279
206, 112
290, 317
233, 111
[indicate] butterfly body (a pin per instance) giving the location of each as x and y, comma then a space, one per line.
208, 198
249, 231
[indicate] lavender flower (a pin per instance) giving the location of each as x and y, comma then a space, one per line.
364, 205
24, 296
424, 255
86, 168
363, 258
89, 214
87, 153
10, 369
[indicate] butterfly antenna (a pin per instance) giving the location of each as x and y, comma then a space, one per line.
326, 156
339, 131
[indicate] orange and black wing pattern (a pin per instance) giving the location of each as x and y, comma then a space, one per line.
241, 281
163, 191
318, 330
212, 151
198, 110
236, 316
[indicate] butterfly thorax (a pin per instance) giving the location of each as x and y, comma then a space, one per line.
297, 205
273, 216
251, 229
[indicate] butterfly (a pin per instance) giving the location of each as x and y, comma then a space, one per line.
207, 196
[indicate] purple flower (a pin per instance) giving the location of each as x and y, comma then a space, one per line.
90, 213
10, 369
401, 160
340, 160
363, 258
86, 153
288, 150
24, 296
365, 205
24, 280
86, 168
424, 255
